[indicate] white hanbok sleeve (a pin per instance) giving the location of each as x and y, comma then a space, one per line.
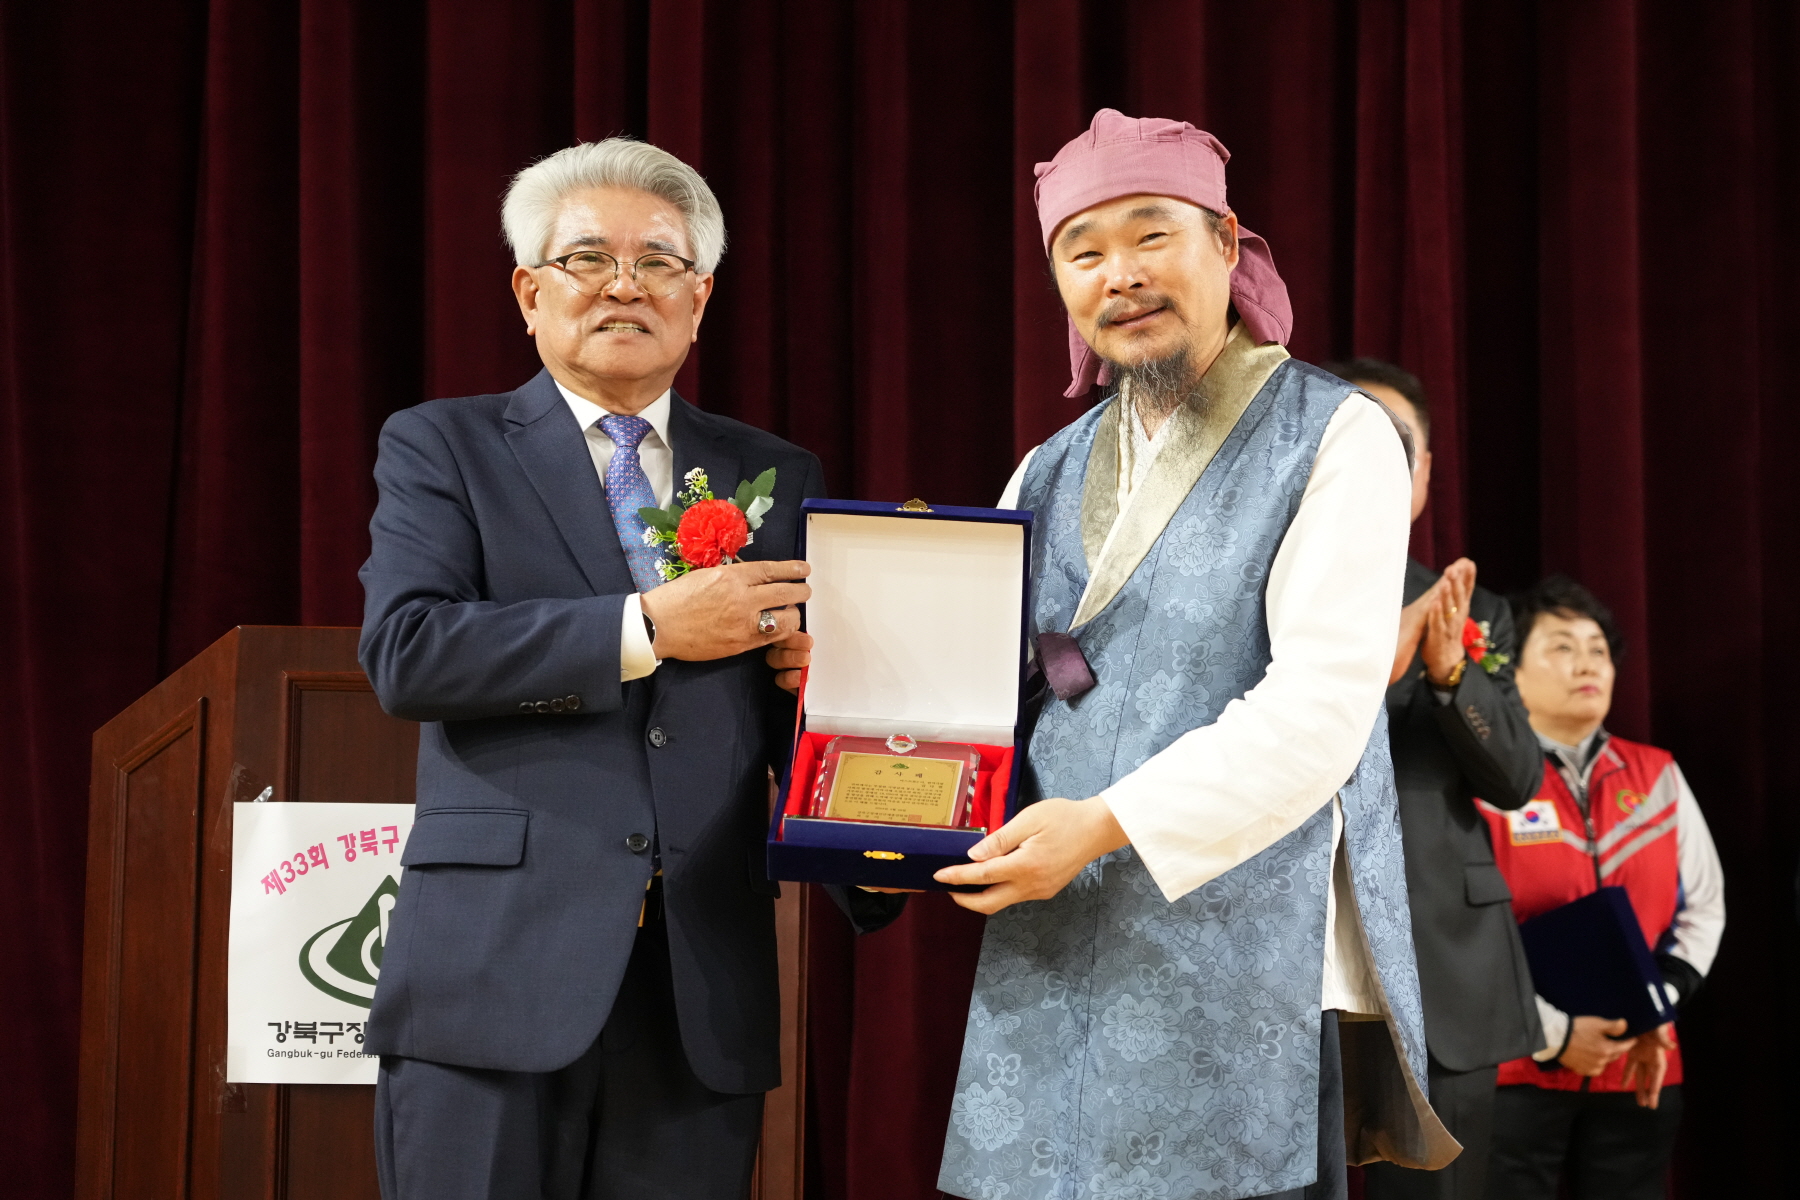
1223, 793
1009, 496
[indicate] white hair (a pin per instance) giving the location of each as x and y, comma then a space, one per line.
528, 214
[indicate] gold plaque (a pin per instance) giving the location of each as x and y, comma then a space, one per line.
896, 782
883, 787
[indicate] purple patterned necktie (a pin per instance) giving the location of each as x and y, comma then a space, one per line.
627, 490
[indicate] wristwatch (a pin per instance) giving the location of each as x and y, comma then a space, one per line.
1456, 674
649, 626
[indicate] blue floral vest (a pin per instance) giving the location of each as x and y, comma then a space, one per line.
1118, 1045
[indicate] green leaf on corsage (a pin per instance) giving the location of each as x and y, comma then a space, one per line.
756, 497
661, 520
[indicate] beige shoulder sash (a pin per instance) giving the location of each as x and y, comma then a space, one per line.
1116, 542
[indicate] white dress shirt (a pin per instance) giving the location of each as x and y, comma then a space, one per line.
1221, 794
636, 657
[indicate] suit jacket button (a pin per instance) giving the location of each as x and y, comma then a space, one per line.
526, 706
658, 738
542, 706
572, 702
637, 843
557, 705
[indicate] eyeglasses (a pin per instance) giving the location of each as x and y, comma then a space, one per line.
591, 272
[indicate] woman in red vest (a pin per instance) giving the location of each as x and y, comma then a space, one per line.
1593, 1106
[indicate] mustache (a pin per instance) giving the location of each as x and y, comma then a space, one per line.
1123, 309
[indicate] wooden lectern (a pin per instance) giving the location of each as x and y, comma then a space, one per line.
286, 710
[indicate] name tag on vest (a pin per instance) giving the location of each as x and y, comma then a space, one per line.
1536, 822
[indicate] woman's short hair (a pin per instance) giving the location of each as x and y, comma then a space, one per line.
528, 214
1563, 597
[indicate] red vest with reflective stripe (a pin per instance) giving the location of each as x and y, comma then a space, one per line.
1552, 853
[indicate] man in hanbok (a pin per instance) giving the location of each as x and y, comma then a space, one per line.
1198, 977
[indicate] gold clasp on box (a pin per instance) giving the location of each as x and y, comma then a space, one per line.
886, 855
914, 505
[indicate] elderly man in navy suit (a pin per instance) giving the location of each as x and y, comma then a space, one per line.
578, 996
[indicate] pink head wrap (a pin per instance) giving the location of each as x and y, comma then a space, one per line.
1128, 156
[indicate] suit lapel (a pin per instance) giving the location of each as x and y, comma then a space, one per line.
553, 452
696, 444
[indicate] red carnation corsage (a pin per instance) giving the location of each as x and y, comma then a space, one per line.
700, 531
1477, 640
711, 532
1474, 638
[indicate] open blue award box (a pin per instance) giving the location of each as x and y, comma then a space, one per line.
918, 623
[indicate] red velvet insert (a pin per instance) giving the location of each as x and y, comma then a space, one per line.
988, 806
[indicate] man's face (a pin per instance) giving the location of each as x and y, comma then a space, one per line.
1565, 671
1144, 277
1402, 408
624, 344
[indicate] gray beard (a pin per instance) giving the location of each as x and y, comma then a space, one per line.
1158, 387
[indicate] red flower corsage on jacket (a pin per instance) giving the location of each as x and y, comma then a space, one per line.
1477, 640
711, 532
700, 531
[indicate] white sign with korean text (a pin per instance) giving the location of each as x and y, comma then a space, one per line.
312, 888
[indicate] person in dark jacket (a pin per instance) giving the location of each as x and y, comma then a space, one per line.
1458, 732
578, 994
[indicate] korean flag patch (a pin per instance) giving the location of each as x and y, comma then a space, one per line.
1535, 823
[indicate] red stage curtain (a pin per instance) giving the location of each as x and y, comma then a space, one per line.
234, 237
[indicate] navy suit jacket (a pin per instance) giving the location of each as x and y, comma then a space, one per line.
495, 590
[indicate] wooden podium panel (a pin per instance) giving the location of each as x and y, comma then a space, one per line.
286, 714
285, 710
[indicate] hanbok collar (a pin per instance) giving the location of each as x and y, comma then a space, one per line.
1116, 542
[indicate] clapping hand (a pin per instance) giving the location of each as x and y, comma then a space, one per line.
1445, 619
1412, 628
1434, 623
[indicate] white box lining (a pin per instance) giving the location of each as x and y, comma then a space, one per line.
916, 626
